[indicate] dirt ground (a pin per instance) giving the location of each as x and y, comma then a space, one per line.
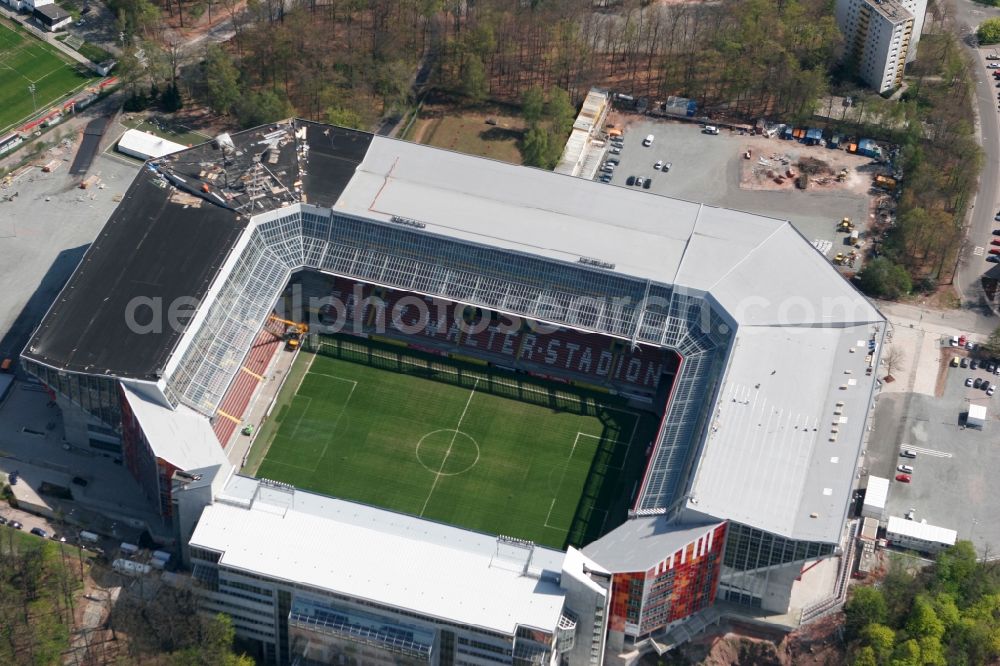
771, 158
467, 131
816, 644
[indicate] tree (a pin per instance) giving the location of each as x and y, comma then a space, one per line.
222, 80
923, 622
907, 654
263, 107
865, 657
474, 79
893, 359
344, 117
880, 638
992, 346
533, 105
882, 278
560, 112
866, 606
956, 567
171, 98
989, 31
536, 148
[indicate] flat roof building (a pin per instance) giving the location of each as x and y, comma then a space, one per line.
920, 536
145, 145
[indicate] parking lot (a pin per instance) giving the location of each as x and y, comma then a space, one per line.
706, 168
953, 482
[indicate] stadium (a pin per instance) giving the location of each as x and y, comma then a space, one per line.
616, 412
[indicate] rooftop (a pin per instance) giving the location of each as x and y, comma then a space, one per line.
437, 570
154, 251
641, 543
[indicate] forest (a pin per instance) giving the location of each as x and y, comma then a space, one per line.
355, 59
944, 615
353, 62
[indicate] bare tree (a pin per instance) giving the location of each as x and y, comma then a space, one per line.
893, 359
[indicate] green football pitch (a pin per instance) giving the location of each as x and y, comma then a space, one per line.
24, 61
455, 442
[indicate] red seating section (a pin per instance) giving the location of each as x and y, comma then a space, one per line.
464, 328
235, 402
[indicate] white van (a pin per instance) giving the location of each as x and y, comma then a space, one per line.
89, 537
648, 141
711, 129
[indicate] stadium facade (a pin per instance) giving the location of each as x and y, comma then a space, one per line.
748, 480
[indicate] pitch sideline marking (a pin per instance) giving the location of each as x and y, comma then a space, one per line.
437, 476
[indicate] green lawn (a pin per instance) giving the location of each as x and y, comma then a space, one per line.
25, 60
452, 442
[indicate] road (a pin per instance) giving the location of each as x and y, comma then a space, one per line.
968, 16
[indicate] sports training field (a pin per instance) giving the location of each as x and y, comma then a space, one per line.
453, 442
25, 60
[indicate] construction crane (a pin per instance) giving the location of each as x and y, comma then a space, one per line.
293, 332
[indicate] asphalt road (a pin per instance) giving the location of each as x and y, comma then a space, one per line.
968, 16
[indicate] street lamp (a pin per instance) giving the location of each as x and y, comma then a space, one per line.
31, 89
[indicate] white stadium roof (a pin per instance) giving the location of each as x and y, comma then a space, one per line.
388, 558
783, 393
802, 330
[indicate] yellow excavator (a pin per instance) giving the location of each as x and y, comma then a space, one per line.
293, 332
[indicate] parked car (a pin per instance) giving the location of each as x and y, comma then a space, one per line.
973, 364
903, 478
605, 178
666, 167
658, 165
710, 129
3, 521
648, 141
615, 150
991, 367
638, 182
970, 345
646, 183
995, 250
985, 385
996, 232
38, 531
993, 259
910, 514
630, 181
964, 362
975, 384
15, 524
612, 160
953, 341
991, 390
905, 469
80, 481
907, 453
954, 361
